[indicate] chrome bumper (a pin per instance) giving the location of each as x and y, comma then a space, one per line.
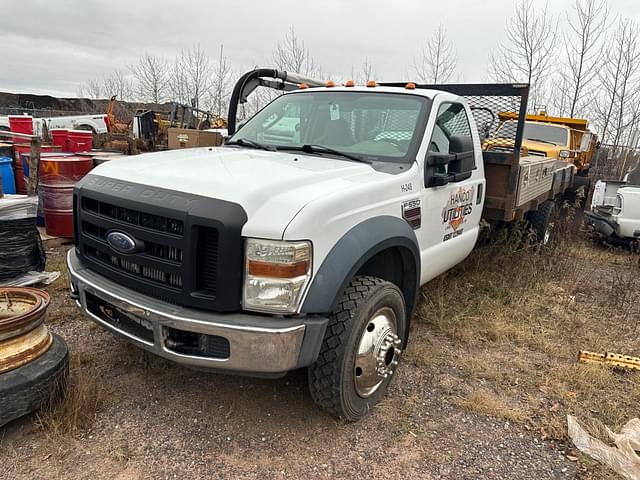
258, 344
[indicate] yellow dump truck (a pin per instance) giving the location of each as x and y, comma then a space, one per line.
563, 138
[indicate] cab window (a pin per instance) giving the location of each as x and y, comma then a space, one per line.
452, 120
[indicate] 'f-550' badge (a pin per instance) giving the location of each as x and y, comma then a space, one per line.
455, 212
412, 213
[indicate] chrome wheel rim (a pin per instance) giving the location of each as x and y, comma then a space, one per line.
547, 234
378, 352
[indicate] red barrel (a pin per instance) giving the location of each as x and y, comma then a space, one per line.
58, 175
21, 187
21, 166
60, 137
21, 124
80, 140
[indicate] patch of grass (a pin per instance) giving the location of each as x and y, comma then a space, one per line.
76, 409
488, 403
511, 319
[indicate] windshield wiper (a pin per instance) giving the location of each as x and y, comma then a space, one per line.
323, 149
541, 140
245, 142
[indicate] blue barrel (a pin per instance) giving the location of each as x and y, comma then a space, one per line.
6, 172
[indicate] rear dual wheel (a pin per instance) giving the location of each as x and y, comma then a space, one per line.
361, 349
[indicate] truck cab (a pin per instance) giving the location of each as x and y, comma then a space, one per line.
562, 138
303, 241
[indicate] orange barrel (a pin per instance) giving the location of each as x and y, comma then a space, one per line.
58, 175
80, 140
60, 137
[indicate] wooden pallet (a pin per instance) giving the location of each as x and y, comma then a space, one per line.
53, 242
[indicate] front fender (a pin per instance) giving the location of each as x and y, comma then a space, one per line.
350, 253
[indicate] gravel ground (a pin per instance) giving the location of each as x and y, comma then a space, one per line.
160, 420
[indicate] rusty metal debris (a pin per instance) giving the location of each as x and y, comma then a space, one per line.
23, 335
611, 359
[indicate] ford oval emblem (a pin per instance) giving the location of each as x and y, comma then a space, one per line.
121, 242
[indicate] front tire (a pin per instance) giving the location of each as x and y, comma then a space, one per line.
361, 348
542, 221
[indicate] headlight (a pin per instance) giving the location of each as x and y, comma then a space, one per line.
565, 153
276, 275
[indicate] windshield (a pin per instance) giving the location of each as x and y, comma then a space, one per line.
537, 132
374, 126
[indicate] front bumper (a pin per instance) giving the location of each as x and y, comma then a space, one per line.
251, 344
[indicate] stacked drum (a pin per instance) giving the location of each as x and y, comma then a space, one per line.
58, 175
21, 124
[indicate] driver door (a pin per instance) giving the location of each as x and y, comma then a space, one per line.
453, 210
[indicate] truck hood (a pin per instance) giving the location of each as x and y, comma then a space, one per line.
548, 148
272, 187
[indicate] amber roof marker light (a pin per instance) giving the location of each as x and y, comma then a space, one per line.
410, 86
330, 84
372, 83
349, 83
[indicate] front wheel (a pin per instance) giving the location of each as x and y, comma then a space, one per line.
542, 221
361, 348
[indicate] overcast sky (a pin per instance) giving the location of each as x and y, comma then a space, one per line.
54, 46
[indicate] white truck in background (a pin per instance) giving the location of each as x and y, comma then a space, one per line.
304, 240
615, 208
97, 123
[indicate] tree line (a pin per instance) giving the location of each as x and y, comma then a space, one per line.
584, 63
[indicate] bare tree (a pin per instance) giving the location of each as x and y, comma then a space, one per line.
191, 79
438, 60
152, 78
528, 53
559, 94
368, 72
619, 82
92, 89
221, 84
292, 55
581, 40
119, 84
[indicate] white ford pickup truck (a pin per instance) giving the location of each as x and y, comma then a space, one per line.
615, 208
303, 241
95, 123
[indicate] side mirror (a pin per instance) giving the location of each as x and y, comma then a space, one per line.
434, 175
460, 161
435, 159
437, 180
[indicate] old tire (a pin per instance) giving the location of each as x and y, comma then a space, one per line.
28, 387
541, 221
361, 348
